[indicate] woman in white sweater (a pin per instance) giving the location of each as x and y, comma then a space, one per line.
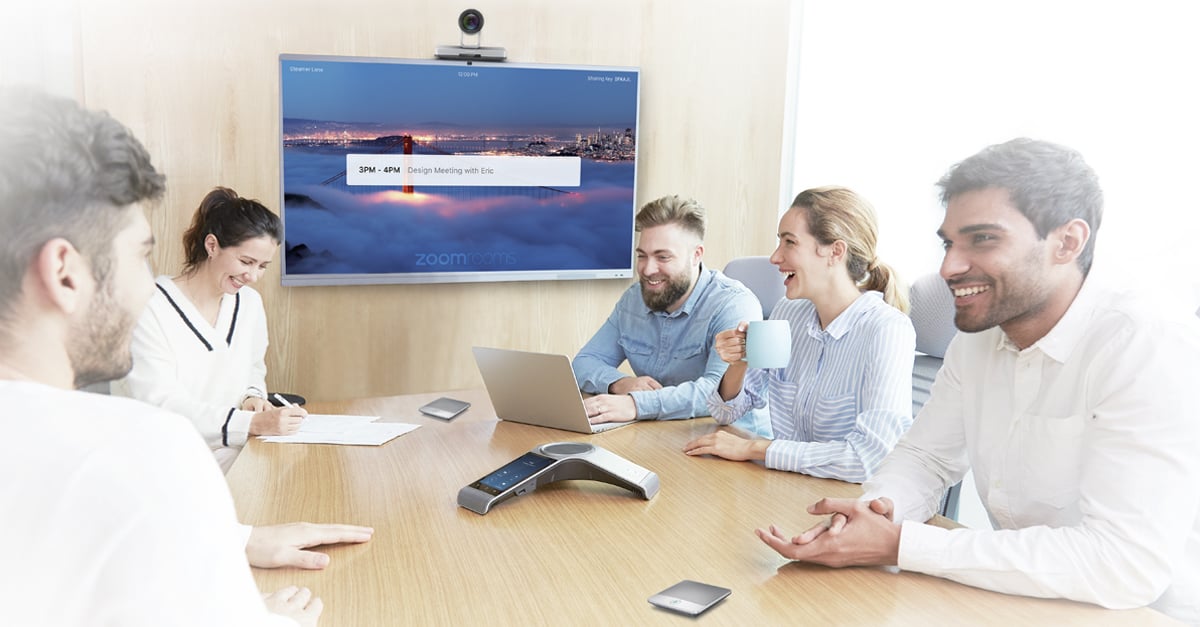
198, 349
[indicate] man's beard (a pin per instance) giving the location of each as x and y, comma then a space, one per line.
1024, 294
676, 287
98, 345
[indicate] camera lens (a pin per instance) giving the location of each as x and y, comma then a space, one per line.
470, 21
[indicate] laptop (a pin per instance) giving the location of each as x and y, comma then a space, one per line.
536, 389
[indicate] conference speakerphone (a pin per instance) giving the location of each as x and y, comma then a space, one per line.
558, 461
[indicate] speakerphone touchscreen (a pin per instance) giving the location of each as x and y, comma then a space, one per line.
512, 473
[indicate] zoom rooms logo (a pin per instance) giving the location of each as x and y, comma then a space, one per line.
455, 260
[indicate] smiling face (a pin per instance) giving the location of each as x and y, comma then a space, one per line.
668, 262
231, 267
995, 263
803, 261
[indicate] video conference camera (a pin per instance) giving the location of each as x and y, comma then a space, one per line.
470, 22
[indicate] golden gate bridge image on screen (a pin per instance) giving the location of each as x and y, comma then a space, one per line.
598, 146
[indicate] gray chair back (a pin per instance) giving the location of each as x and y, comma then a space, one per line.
931, 308
761, 276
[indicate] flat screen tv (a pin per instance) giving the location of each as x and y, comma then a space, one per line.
421, 171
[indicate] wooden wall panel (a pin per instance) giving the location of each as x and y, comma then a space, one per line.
197, 81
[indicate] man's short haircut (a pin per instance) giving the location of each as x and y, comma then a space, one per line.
1048, 183
685, 212
64, 172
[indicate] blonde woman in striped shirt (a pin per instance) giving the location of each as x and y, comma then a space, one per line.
845, 397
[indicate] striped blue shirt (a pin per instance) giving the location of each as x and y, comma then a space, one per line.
845, 397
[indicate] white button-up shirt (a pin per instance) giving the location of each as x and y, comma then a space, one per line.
1086, 453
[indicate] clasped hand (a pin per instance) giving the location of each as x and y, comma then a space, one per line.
857, 533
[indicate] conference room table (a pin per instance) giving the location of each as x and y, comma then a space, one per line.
580, 552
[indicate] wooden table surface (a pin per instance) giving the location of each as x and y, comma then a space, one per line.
579, 552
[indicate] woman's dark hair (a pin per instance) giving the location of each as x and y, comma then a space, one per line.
232, 219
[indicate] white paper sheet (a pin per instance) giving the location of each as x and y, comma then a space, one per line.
349, 430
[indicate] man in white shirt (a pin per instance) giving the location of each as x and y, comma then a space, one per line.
1074, 406
114, 511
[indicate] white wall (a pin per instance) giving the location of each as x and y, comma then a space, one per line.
890, 94
38, 46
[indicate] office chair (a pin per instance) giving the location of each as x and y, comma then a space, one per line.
761, 276
931, 308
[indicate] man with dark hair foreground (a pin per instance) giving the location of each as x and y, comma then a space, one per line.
114, 511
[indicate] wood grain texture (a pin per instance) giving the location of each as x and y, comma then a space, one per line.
580, 552
197, 82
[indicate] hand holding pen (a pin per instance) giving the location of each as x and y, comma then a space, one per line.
284, 420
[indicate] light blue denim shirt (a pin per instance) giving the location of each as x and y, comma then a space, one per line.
675, 348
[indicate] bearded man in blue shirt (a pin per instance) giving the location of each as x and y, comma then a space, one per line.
664, 326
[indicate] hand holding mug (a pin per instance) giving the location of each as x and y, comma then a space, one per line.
731, 344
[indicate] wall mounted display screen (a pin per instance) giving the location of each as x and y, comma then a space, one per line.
417, 171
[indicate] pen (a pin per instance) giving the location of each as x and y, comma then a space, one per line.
282, 400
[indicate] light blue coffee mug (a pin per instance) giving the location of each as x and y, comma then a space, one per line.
768, 343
